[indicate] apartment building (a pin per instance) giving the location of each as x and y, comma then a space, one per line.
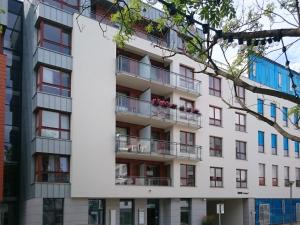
120, 136
10, 108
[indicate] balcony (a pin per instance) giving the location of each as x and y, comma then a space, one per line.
53, 13
143, 181
144, 148
52, 101
51, 146
142, 112
137, 74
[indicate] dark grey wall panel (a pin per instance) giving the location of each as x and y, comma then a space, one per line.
51, 145
43, 10
52, 58
54, 102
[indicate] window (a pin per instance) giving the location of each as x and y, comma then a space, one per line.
274, 175
215, 116
54, 82
240, 122
54, 38
67, 5
285, 116
240, 92
52, 168
216, 177
286, 176
279, 79
286, 146
187, 175
215, 146
260, 106
187, 142
297, 212
241, 178
274, 144
215, 86
261, 141
273, 111
185, 212
186, 78
126, 212
187, 104
96, 211
264, 214
262, 174
297, 177
241, 152
52, 124
296, 149
53, 211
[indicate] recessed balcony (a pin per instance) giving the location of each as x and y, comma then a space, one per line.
136, 111
143, 181
146, 148
140, 75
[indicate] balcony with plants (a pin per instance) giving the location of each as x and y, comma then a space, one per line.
158, 112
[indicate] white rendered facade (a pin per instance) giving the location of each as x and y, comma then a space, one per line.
93, 119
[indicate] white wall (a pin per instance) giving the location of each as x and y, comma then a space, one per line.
93, 128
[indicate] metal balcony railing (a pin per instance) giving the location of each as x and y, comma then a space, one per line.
156, 74
147, 109
143, 181
138, 145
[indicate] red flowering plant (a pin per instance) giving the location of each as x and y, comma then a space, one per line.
155, 101
173, 106
188, 110
196, 111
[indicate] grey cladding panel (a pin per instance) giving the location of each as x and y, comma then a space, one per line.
52, 58
51, 190
51, 145
3, 16
54, 14
55, 102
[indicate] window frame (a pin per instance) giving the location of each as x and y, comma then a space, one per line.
240, 183
40, 82
98, 211
189, 180
273, 114
286, 151
215, 90
238, 153
132, 209
59, 176
238, 126
285, 117
214, 149
214, 179
55, 211
261, 146
287, 176
61, 45
39, 127
275, 176
260, 106
241, 93
185, 147
262, 179
274, 145
213, 121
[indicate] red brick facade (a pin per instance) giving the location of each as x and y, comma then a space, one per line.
2, 113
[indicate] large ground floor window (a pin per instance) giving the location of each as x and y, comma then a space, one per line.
185, 212
126, 212
97, 211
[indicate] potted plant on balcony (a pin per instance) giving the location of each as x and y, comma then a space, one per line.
181, 108
188, 110
173, 106
196, 111
155, 101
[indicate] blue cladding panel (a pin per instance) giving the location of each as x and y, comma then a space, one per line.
260, 106
281, 210
274, 140
285, 143
261, 138
266, 72
296, 146
284, 113
273, 110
